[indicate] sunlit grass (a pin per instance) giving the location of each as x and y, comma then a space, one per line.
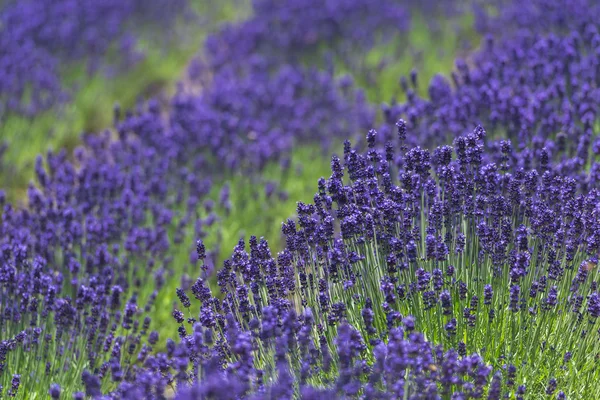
423, 49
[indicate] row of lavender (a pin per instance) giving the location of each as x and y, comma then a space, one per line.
488, 257
38, 38
489, 244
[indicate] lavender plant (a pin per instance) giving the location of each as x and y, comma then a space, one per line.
145, 58
482, 257
300, 367
535, 89
374, 41
287, 31
82, 267
541, 16
246, 121
117, 212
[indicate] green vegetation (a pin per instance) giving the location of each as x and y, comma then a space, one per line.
428, 51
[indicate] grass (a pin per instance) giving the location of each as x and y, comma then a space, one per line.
427, 51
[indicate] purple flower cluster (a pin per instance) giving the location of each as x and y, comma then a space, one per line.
535, 89
422, 233
542, 16
287, 30
82, 266
296, 360
245, 105
84, 263
245, 121
415, 272
249, 101
38, 36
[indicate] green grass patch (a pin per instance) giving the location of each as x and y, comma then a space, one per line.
428, 51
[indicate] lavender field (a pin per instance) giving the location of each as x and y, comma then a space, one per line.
299, 199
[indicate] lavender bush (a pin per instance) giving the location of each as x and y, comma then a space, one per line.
288, 30
489, 258
433, 263
83, 265
248, 121
100, 234
535, 88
